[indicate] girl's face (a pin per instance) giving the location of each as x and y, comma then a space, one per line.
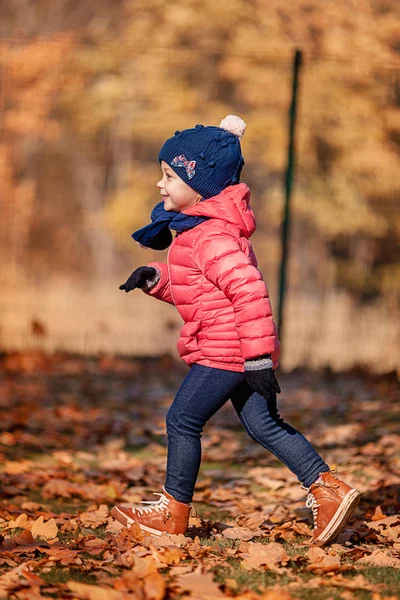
175, 193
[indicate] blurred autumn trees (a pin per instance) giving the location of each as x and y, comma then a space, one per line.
90, 91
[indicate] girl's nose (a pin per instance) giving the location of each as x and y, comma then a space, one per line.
159, 183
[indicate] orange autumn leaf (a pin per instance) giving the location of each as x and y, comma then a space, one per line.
96, 517
17, 467
200, 585
388, 527
380, 558
171, 555
84, 591
378, 514
240, 533
154, 587
265, 555
145, 565
21, 521
93, 544
45, 531
252, 521
321, 562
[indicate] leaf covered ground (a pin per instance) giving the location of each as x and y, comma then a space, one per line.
78, 435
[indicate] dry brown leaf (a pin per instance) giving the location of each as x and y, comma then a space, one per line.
92, 544
252, 521
23, 538
240, 533
33, 593
95, 518
378, 514
356, 583
200, 585
268, 555
145, 565
84, 591
64, 556
170, 540
380, 558
389, 527
275, 594
180, 570
45, 531
114, 527
17, 578
169, 555
301, 528
17, 467
154, 587
21, 521
322, 562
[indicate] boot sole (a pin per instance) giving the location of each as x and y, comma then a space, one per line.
339, 519
127, 522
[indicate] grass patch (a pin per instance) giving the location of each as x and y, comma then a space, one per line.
212, 513
58, 505
329, 593
387, 575
249, 580
220, 544
141, 452
12, 532
62, 575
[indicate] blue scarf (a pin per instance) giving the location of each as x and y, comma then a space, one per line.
157, 234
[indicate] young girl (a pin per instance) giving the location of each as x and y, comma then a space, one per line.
229, 338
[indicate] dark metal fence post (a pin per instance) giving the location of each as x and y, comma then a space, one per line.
288, 189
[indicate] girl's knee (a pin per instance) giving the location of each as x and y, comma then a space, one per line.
178, 424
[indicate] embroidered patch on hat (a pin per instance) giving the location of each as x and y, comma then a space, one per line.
182, 161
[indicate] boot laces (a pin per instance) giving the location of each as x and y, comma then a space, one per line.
155, 505
311, 502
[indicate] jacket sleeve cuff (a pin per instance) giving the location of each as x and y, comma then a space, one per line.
258, 364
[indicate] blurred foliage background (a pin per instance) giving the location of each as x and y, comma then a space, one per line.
90, 91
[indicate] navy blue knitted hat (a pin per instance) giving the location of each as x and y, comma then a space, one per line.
208, 159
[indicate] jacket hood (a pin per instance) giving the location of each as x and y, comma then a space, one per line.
231, 205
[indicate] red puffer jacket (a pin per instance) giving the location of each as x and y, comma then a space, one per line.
211, 276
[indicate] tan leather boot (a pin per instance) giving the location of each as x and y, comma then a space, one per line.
165, 515
332, 502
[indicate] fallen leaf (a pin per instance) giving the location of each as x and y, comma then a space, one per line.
171, 555
240, 533
84, 591
200, 585
154, 587
268, 555
378, 514
380, 558
95, 518
322, 562
21, 522
252, 521
45, 531
145, 565
388, 527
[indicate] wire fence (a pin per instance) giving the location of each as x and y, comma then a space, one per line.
80, 131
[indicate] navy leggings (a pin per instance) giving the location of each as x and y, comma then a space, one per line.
203, 392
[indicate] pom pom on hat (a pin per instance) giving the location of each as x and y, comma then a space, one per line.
234, 125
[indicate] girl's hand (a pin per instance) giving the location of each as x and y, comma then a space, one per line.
142, 277
261, 376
